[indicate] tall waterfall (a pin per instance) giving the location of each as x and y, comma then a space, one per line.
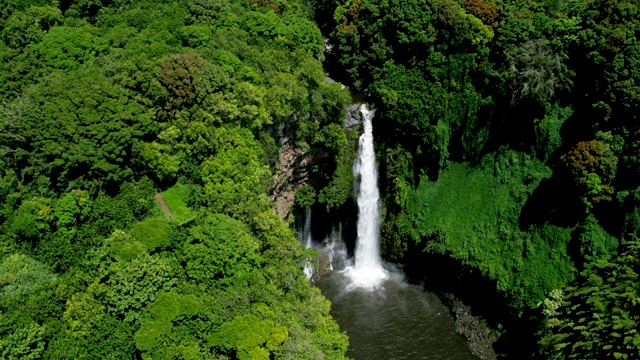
367, 271
306, 238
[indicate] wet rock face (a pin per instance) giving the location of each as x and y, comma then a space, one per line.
291, 173
478, 339
353, 118
332, 254
294, 163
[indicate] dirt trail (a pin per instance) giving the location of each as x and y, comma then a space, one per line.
163, 205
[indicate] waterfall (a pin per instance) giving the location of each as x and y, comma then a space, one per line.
306, 239
367, 270
336, 249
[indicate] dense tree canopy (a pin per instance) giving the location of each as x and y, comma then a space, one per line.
103, 104
508, 140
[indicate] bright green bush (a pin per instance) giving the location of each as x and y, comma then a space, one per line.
68, 48
154, 233
472, 214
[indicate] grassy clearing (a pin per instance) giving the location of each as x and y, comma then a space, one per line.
176, 198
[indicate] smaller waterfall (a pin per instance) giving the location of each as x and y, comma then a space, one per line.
306, 239
335, 250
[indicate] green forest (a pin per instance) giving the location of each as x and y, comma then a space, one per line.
139, 141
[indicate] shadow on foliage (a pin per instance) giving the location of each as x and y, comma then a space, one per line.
553, 202
513, 124
443, 275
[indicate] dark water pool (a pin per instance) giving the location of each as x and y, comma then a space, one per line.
394, 321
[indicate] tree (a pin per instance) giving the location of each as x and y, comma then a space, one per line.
30, 26
598, 317
72, 210
249, 338
11, 119
177, 77
593, 165
163, 333
154, 233
68, 48
535, 71
220, 252
235, 179
34, 219
26, 343
132, 285
21, 275
83, 133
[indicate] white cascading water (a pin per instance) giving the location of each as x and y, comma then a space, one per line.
367, 270
306, 238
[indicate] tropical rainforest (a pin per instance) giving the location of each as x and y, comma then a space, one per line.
139, 139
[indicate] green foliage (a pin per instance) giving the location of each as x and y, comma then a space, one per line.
595, 242
123, 247
20, 276
548, 138
144, 276
195, 36
160, 317
598, 315
105, 102
68, 48
84, 312
219, 251
72, 210
30, 26
25, 343
93, 345
332, 137
339, 188
100, 124
305, 35
132, 203
481, 227
235, 179
264, 25
34, 218
126, 278
249, 338
610, 40
154, 233
632, 217
305, 196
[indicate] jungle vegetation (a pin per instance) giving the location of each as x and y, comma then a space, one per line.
508, 141
509, 144
107, 103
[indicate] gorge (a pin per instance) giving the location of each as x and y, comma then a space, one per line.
154, 155
384, 316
